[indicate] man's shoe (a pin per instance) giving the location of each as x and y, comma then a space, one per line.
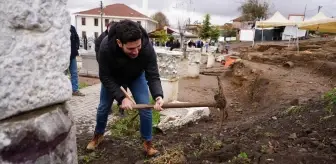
78, 93
149, 149
93, 144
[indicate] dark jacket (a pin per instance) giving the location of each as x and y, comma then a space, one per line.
74, 42
116, 68
98, 42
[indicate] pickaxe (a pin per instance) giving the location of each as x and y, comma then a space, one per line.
220, 103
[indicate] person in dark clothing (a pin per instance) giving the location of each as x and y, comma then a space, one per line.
74, 42
126, 58
100, 39
103, 91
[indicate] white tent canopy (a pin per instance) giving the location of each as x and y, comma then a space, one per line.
317, 17
275, 21
319, 22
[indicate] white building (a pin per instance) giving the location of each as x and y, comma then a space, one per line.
89, 22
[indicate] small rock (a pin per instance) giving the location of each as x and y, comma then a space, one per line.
274, 118
315, 143
292, 136
294, 102
93, 154
314, 134
270, 160
81, 158
333, 143
239, 110
308, 130
139, 162
303, 150
321, 146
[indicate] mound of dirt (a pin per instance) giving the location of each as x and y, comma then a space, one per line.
280, 54
324, 68
297, 137
253, 85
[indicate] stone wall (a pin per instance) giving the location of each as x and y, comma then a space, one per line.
34, 53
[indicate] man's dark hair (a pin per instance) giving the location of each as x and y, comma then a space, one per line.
128, 31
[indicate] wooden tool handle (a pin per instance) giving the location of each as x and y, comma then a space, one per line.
127, 95
175, 105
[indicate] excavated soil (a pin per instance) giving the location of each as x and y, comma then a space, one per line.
309, 51
276, 115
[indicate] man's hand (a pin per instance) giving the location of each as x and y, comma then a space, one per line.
126, 104
158, 103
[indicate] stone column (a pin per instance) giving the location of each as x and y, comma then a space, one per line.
36, 125
168, 63
194, 60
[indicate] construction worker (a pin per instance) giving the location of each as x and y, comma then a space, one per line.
127, 58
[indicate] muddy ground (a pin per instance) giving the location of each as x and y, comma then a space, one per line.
276, 115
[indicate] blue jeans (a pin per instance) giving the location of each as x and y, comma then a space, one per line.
140, 93
73, 74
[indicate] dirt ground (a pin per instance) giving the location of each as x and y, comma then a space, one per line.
276, 115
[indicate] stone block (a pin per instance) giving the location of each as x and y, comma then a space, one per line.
46, 135
177, 117
168, 62
34, 53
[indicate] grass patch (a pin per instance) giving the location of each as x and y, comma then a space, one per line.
241, 158
82, 85
293, 110
330, 100
129, 125
174, 155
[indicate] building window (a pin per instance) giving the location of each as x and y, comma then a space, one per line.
139, 22
83, 33
83, 22
96, 21
96, 35
107, 22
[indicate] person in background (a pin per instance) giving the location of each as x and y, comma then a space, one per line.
227, 46
127, 58
74, 42
206, 46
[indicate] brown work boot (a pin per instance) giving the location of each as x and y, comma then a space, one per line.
96, 140
149, 149
78, 93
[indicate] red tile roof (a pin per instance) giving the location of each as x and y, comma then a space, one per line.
239, 19
120, 10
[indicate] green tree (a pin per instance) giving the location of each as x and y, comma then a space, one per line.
161, 36
205, 32
161, 19
214, 33
253, 10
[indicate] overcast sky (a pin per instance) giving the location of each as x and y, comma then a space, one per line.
221, 11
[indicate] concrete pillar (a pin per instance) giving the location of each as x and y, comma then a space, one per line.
36, 125
211, 60
90, 66
168, 62
194, 62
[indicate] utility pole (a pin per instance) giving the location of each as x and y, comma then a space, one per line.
319, 9
304, 14
101, 16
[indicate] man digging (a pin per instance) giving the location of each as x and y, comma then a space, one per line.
127, 58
